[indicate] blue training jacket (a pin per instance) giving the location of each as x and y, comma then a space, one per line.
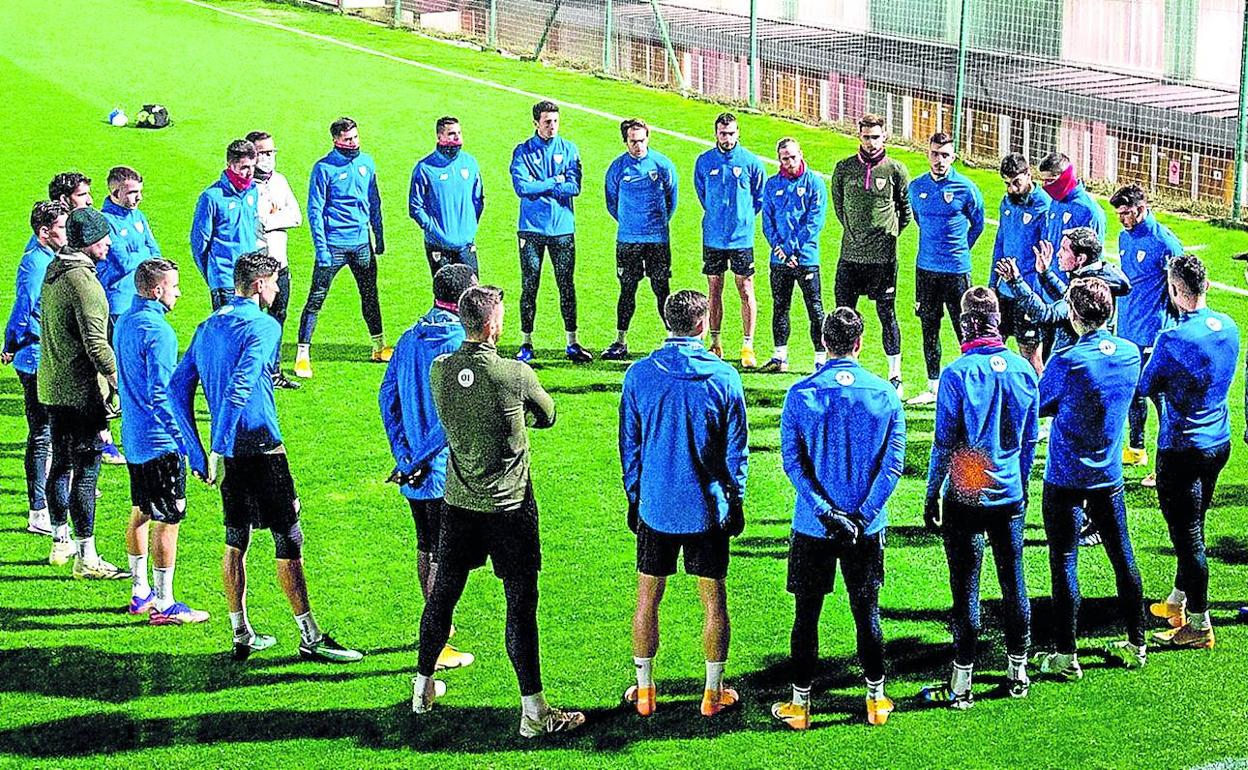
843, 442
987, 424
641, 196
545, 202
446, 199
21, 333
950, 215
225, 227
406, 400
147, 353
1087, 388
1191, 368
794, 211
1077, 209
1146, 250
1021, 228
683, 437
730, 189
230, 355
132, 243
343, 203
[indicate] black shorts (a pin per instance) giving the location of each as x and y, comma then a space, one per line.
509, 539
812, 564
634, 260
427, 515
441, 256
706, 553
857, 279
1015, 324
717, 261
934, 292
158, 488
258, 492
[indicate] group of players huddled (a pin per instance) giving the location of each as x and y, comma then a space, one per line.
88, 338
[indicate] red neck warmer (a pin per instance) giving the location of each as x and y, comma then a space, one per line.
870, 160
450, 307
239, 183
1062, 186
800, 170
451, 143
983, 342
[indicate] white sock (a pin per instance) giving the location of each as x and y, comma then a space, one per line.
139, 587
644, 667
534, 706
801, 696
894, 366
379, 341
875, 689
240, 624
621, 336
781, 352
747, 342
715, 675
163, 578
572, 339
86, 549
821, 357
61, 534
1176, 597
960, 682
526, 338
302, 351
424, 685
933, 385
1016, 668
1199, 621
308, 630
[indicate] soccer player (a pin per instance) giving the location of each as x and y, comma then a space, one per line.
226, 222
684, 450
344, 204
641, 187
230, 354
1022, 216
843, 440
1189, 375
278, 211
869, 194
795, 203
21, 348
546, 175
949, 210
417, 439
147, 350
729, 181
131, 237
1146, 247
987, 421
77, 375
1072, 205
484, 402
446, 199
1087, 389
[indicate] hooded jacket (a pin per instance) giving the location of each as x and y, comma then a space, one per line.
683, 437
132, 243
76, 361
406, 400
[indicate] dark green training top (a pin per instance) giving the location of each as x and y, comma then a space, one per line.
482, 400
872, 207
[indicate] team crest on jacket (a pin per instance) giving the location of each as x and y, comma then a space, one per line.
948, 196
654, 175
443, 177
736, 171
138, 227
845, 379
1139, 255
251, 200
558, 157
1026, 218
997, 363
1107, 347
1065, 217
880, 182
363, 170
123, 232
464, 173
1214, 324
801, 191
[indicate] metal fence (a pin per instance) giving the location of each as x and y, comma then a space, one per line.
1145, 91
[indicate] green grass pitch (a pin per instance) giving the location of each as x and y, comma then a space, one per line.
83, 685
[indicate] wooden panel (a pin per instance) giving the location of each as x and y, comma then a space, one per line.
1174, 170
1217, 178
1134, 162
985, 134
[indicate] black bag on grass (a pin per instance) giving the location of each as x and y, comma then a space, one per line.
152, 116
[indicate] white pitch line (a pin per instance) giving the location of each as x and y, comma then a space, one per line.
534, 95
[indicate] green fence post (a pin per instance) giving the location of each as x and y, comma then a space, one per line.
667, 45
398, 13
607, 38
960, 91
1237, 198
550, 23
753, 91
491, 25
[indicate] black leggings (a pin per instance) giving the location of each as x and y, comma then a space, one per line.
521, 594
627, 305
562, 249
1137, 416
931, 344
1185, 482
807, 278
363, 266
75, 468
864, 603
